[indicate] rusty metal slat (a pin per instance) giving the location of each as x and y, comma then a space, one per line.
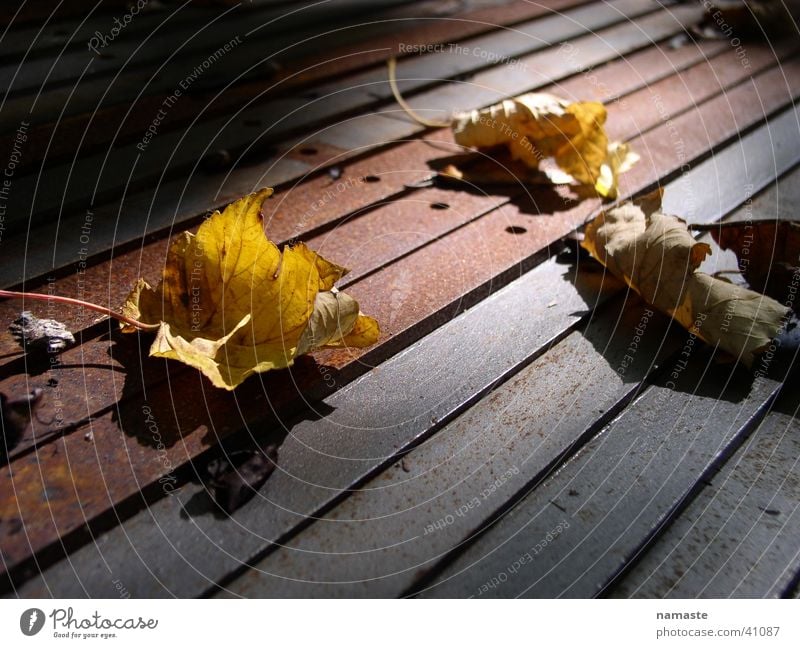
166, 513
175, 203
195, 36
83, 372
467, 574
70, 185
774, 159
428, 501
337, 61
119, 224
584, 523
697, 84
721, 119
490, 86
297, 209
473, 23
295, 212
87, 381
186, 430
367, 226
559, 228
285, 218
523, 45
739, 536
406, 275
404, 20
697, 136
402, 225
405, 397
612, 81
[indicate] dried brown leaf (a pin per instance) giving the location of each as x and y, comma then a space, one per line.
655, 254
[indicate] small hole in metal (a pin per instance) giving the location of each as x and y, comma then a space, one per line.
440, 205
515, 229
371, 178
309, 150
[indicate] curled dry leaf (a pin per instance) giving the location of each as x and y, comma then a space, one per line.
749, 20
767, 251
535, 126
44, 334
231, 304
655, 254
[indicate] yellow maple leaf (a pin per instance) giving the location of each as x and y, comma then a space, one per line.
231, 304
535, 126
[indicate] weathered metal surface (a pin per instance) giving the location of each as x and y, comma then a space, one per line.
760, 167
447, 285
360, 428
305, 28
172, 41
179, 151
739, 537
159, 43
167, 511
777, 202
384, 234
401, 523
373, 223
469, 19
495, 84
466, 23
573, 533
424, 302
716, 76
352, 551
328, 199
721, 120
297, 208
55, 34
175, 201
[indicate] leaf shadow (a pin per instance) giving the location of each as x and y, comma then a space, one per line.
529, 191
267, 440
164, 404
645, 347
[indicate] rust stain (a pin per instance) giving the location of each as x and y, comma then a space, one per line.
76, 132
69, 481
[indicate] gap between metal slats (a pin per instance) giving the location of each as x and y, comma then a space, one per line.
175, 200
217, 546
720, 129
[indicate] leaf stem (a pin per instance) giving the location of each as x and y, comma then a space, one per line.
392, 66
69, 301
